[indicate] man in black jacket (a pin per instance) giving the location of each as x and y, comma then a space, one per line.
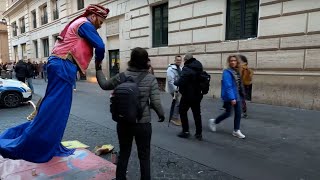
21, 71
189, 87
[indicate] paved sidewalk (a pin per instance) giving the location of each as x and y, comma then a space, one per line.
282, 142
164, 164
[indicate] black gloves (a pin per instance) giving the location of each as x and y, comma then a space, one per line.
98, 65
161, 118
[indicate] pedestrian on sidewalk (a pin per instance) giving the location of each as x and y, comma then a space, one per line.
45, 73
4, 66
34, 66
36, 69
246, 77
13, 71
10, 70
151, 71
40, 68
21, 71
30, 75
173, 74
189, 87
39, 140
232, 93
141, 130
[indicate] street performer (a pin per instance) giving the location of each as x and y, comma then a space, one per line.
40, 140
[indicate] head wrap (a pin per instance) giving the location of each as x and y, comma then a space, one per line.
91, 9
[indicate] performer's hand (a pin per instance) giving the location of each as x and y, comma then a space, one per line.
98, 65
233, 102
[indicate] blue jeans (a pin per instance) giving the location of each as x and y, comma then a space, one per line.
30, 84
227, 113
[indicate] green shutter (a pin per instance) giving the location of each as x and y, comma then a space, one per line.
160, 25
242, 19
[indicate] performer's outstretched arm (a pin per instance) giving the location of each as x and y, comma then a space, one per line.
89, 32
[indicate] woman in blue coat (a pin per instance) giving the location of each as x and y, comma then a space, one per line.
231, 93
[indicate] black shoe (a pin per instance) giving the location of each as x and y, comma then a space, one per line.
184, 135
245, 115
198, 136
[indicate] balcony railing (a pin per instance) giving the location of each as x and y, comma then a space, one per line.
55, 14
44, 19
22, 29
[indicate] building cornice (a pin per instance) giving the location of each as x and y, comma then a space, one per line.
14, 6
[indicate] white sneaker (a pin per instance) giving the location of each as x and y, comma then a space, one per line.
212, 125
238, 134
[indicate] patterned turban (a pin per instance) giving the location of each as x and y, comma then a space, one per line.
91, 9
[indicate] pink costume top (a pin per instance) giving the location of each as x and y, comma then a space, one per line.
75, 47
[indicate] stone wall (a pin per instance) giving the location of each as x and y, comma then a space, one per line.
3, 4
287, 46
4, 49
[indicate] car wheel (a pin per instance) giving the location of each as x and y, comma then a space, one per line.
11, 99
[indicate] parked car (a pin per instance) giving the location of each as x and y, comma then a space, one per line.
13, 93
6, 74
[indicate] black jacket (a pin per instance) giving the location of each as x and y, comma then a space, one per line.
21, 69
188, 83
149, 90
30, 70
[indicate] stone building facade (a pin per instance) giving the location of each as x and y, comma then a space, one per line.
4, 50
281, 38
2, 8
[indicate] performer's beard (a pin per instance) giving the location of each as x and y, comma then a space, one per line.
97, 23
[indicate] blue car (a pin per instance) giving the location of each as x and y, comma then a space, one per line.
13, 93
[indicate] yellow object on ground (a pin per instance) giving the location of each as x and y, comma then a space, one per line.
104, 149
74, 144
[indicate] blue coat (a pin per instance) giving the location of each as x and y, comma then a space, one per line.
229, 89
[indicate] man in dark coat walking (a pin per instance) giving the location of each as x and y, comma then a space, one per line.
21, 71
189, 87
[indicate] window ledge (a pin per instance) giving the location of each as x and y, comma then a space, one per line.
111, 35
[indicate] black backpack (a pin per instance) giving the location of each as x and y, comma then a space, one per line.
125, 104
204, 79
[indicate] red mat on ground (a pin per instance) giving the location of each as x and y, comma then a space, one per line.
82, 165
